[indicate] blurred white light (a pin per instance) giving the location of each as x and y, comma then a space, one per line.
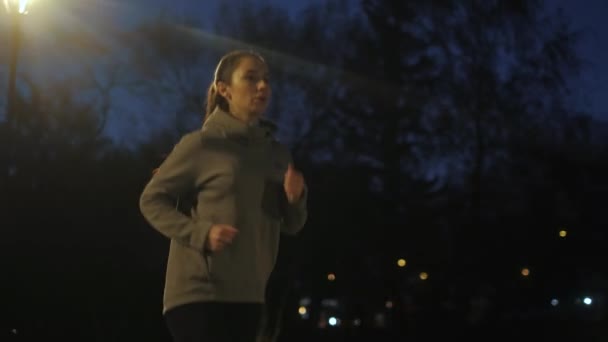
305, 301
333, 321
554, 302
16, 5
587, 301
357, 322
330, 302
379, 320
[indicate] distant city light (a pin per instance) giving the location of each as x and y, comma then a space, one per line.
302, 310
357, 322
331, 277
554, 302
401, 262
305, 301
587, 301
379, 320
563, 233
525, 272
388, 304
333, 321
330, 303
424, 275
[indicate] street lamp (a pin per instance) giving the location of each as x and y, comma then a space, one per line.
19, 6
16, 9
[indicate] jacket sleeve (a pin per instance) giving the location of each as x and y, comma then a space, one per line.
176, 177
295, 214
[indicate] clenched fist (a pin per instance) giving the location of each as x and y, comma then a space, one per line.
220, 236
293, 184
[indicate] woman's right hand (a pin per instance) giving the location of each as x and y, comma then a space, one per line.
220, 236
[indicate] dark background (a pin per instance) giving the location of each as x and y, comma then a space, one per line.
455, 135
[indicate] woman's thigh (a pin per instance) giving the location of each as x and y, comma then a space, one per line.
214, 322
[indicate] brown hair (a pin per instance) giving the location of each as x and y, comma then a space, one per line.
223, 72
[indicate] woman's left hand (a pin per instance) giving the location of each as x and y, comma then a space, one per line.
293, 184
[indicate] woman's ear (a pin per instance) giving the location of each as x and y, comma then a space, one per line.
223, 89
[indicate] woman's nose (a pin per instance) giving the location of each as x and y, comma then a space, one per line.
263, 84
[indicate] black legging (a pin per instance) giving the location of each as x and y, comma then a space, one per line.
214, 322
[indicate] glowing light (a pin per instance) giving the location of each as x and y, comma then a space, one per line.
401, 262
357, 322
525, 272
554, 302
305, 301
302, 310
388, 304
563, 233
331, 277
424, 275
333, 321
16, 5
330, 303
587, 301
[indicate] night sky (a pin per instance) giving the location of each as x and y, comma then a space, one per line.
590, 16
97, 17
586, 15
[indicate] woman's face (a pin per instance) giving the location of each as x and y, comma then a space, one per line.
249, 93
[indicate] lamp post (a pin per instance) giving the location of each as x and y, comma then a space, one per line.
16, 10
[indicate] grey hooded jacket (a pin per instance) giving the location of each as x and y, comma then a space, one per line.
232, 173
